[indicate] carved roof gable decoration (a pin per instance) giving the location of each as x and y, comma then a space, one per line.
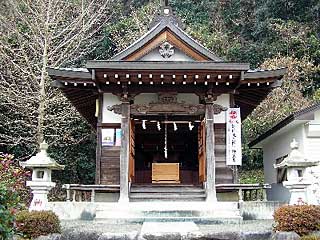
167, 98
167, 104
166, 50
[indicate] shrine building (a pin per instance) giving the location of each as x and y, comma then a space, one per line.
161, 109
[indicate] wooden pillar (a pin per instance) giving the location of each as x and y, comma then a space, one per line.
124, 152
211, 171
99, 113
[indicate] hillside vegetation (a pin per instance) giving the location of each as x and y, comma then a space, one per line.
36, 34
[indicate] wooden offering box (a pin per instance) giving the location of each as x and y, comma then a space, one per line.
165, 173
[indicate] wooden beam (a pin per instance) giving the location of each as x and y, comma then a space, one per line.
210, 154
124, 152
99, 141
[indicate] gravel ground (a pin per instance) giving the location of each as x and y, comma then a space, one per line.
245, 226
100, 226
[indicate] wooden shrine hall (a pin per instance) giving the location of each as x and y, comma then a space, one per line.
159, 109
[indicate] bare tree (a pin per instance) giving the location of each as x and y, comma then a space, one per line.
35, 34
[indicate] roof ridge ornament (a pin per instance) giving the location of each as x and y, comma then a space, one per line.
166, 16
165, 3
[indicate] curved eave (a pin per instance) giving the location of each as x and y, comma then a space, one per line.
165, 65
81, 86
78, 87
250, 92
251, 76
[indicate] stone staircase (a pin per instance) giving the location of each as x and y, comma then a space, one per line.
166, 192
200, 212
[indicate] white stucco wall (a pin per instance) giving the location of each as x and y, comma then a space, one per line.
223, 100
108, 116
154, 55
306, 133
274, 147
312, 138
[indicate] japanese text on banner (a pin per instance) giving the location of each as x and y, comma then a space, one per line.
234, 153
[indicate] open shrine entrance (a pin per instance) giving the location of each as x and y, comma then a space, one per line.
167, 150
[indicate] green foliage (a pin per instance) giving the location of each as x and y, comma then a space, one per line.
8, 202
310, 237
13, 193
301, 219
36, 223
14, 177
258, 32
79, 160
251, 176
283, 101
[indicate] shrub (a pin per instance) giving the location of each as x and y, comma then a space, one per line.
8, 203
251, 176
36, 223
12, 192
310, 237
301, 219
14, 177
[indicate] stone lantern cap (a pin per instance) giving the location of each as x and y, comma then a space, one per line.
295, 158
42, 160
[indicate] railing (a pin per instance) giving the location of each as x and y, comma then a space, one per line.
247, 192
87, 193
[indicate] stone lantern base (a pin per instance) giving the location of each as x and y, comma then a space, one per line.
298, 191
40, 192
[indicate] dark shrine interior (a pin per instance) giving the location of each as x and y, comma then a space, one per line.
182, 146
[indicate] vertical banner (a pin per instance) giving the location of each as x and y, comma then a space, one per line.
234, 152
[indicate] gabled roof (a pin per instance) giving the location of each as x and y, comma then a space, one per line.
167, 22
304, 114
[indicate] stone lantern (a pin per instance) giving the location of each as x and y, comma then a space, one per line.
297, 180
41, 165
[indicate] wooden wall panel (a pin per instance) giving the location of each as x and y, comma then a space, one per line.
224, 173
110, 165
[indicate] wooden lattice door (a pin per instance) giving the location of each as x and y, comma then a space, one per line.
132, 151
202, 151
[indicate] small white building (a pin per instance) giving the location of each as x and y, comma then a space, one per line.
304, 127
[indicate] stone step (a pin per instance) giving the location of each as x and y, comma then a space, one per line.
162, 211
190, 199
174, 185
179, 196
140, 207
166, 190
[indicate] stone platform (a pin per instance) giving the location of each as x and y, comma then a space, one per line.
220, 212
